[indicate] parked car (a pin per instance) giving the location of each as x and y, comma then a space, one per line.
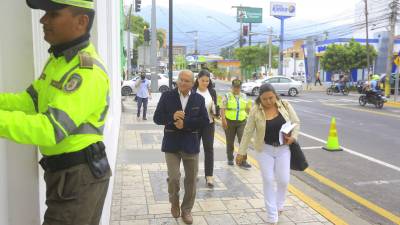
282, 85
128, 86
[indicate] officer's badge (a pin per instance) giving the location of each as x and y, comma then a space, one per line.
73, 83
42, 76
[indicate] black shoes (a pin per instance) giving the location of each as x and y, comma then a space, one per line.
245, 165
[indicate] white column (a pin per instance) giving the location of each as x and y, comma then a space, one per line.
106, 36
19, 190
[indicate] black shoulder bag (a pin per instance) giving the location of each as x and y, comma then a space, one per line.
298, 160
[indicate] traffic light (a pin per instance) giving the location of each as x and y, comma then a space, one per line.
137, 5
245, 30
146, 34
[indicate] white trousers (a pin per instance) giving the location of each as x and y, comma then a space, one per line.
275, 167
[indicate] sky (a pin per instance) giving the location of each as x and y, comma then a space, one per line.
306, 9
311, 16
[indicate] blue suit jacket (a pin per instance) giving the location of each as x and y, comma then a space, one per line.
196, 116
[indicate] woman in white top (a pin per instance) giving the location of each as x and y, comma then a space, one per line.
204, 87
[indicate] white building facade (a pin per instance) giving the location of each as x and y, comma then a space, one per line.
22, 56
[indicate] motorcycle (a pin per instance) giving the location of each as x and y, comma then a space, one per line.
335, 89
374, 98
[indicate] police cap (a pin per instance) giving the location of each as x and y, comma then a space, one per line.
236, 83
51, 5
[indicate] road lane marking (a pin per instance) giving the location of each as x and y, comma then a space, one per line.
311, 148
362, 110
303, 197
357, 198
318, 114
356, 153
373, 207
377, 182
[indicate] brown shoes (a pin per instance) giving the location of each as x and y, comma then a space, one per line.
187, 217
175, 210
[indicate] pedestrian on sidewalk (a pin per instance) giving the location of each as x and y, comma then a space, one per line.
234, 110
266, 118
183, 113
203, 85
143, 94
63, 112
318, 78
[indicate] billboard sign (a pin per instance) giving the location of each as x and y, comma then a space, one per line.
287, 9
249, 15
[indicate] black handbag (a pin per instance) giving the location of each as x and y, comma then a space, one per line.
298, 160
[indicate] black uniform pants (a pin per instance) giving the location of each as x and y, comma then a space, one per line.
74, 196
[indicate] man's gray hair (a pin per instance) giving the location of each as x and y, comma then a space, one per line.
186, 72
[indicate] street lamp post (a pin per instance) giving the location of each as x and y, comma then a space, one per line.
170, 52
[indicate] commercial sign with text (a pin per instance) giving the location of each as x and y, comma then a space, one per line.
249, 15
287, 9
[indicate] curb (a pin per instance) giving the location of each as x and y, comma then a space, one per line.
393, 104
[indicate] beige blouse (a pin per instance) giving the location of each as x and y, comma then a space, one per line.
256, 122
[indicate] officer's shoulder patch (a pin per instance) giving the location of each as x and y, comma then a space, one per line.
73, 83
86, 61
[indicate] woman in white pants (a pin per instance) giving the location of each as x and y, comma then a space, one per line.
266, 118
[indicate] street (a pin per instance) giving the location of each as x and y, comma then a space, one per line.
365, 177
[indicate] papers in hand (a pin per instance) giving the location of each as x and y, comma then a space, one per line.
285, 129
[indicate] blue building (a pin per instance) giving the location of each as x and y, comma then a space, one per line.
315, 49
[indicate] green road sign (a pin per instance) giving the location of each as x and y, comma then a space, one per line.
249, 15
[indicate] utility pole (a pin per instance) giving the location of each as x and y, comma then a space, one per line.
241, 30
249, 34
239, 8
128, 46
270, 51
294, 61
170, 45
367, 36
153, 49
393, 18
196, 39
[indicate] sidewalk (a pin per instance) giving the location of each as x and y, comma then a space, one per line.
140, 193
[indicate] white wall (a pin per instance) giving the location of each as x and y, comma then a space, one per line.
22, 56
106, 36
3, 160
19, 192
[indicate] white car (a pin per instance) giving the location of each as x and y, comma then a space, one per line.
282, 85
128, 86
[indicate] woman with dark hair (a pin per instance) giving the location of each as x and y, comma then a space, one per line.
266, 118
203, 86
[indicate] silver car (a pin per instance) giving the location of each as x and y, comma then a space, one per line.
283, 85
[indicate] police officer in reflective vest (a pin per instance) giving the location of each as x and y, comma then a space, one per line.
63, 112
234, 111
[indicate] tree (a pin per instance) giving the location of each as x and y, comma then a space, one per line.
161, 37
227, 53
137, 27
253, 57
344, 58
180, 62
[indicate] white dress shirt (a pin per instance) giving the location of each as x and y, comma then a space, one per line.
184, 99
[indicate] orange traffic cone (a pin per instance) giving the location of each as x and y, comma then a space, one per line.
333, 141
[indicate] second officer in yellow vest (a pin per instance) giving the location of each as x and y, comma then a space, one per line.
234, 111
63, 112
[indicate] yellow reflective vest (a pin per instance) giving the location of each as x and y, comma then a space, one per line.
236, 107
65, 109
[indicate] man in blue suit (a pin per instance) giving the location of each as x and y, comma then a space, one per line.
183, 113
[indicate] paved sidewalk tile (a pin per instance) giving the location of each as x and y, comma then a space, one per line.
140, 194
